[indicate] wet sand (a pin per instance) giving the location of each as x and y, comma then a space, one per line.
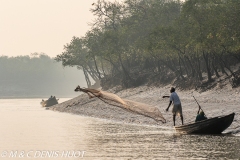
221, 100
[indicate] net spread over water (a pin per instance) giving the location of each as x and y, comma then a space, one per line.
136, 107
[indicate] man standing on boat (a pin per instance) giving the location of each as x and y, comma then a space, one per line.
177, 107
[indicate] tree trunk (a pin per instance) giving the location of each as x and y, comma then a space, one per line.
185, 66
191, 66
215, 68
206, 59
104, 74
99, 75
87, 78
199, 69
226, 66
127, 76
180, 67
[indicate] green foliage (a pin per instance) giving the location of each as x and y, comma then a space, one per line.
158, 37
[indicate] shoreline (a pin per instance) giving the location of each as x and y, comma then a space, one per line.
215, 102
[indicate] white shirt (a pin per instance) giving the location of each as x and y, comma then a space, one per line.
174, 97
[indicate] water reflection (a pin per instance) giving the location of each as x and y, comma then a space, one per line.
25, 125
144, 142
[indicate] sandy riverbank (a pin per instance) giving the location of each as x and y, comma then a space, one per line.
215, 102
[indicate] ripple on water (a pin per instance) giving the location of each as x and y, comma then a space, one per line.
27, 126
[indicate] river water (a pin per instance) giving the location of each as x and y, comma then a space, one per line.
29, 131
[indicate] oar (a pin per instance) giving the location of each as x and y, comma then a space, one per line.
199, 106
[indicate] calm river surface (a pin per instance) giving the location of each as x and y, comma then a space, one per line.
28, 131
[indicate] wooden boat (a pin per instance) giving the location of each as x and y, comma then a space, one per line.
50, 102
214, 125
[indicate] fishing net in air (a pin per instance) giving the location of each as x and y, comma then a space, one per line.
113, 99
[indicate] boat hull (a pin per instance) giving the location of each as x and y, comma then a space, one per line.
49, 102
214, 125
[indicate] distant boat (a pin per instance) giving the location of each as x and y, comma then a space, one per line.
50, 102
214, 125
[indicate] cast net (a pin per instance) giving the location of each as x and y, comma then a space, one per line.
132, 106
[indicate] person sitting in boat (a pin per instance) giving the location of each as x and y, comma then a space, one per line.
200, 116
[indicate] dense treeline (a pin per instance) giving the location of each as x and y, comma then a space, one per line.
136, 41
37, 75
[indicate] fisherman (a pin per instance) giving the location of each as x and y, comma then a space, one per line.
177, 107
200, 116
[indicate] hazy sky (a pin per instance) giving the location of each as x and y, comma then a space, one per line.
28, 26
